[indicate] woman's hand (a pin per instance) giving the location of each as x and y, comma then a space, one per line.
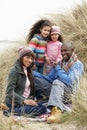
30, 102
3, 107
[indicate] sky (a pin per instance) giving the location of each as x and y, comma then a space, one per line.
17, 16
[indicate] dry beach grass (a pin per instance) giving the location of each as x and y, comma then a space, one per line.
74, 28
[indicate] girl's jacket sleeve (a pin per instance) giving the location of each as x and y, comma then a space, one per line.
33, 43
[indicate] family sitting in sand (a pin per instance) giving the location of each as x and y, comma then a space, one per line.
30, 92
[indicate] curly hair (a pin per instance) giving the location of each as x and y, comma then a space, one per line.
35, 29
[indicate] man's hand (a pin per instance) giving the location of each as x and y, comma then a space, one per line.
55, 63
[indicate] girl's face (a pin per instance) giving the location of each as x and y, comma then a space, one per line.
45, 31
54, 37
27, 60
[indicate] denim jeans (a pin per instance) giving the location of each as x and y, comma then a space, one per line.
60, 95
27, 110
39, 67
43, 88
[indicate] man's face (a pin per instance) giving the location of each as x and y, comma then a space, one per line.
66, 52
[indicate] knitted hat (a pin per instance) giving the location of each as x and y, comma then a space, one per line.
25, 50
55, 29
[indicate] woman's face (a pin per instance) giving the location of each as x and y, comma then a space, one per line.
27, 60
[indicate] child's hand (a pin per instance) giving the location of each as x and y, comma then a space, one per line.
47, 60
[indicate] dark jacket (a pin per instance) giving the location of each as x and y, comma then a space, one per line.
16, 85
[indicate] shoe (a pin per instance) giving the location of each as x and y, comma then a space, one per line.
55, 116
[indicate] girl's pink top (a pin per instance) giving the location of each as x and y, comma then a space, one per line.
53, 51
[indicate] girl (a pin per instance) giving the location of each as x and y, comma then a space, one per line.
37, 41
20, 89
53, 50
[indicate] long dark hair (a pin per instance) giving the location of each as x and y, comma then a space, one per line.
29, 71
60, 38
35, 29
30, 74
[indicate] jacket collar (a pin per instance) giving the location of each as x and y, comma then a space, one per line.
18, 67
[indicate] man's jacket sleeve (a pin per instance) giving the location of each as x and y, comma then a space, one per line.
72, 75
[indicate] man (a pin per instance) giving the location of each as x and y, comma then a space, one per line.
65, 80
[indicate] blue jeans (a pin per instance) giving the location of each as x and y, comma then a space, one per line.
60, 95
39, 67
43, 88
26, 110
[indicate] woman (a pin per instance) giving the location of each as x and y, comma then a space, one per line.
20, 89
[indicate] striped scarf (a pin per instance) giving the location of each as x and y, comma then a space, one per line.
67, 65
